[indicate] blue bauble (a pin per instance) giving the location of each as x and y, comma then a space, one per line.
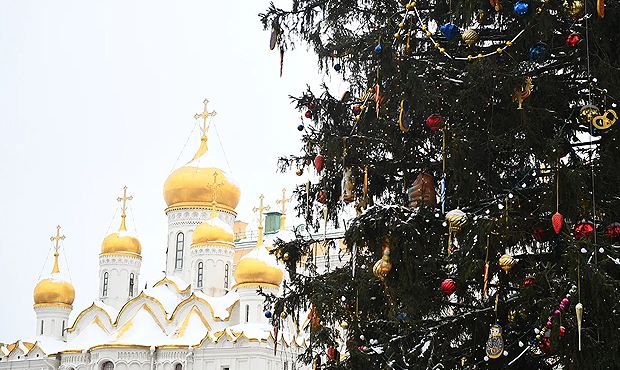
337, 67
378, 49
300, 127
449, 31
521, 8
538, 51
268, 314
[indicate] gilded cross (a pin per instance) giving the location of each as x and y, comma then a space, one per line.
204, 115
260, 210
56, 239
124, 200
214, 187
283, 201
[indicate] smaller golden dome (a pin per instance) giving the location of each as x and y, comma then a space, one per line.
259, 267
54, 290
120, 242
212, 230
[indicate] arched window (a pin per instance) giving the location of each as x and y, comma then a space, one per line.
200, 273
108, 365
178, 367
63, 328
226, 276
104, 292
41, 327
247, 312
178, 262
131, 284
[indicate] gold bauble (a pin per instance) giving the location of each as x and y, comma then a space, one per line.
283, 315
456, 219
470, 37
299, 172
507, 262
286, 257
587, 113
344, 325
574, 8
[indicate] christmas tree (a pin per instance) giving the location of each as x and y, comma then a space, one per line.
478, 143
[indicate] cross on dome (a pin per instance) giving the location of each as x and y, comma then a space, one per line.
260, 210
204, 115
283, 201
124, 200
56, 239
214, 187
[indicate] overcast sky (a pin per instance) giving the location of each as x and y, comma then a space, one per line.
96, 95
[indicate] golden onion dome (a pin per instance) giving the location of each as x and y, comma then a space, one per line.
213, 230
259, 267
200, 184
120, 242
54, 289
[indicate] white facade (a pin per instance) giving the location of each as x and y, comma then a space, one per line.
119, 278
52, 320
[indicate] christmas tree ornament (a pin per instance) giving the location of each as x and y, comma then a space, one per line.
579, 315
529, 281
434, 122
378, 48
495, 343
557, 220
404, 120
281, 61
347, 185
507, 262
286, 257
283, 314
522, 92
356, 109
584, 229
344, 325
456, 219
470, 37
448, 287
423, 191
300, 127
573, 39
308, 114
574, 8
449, 31
332, 354
299, 172
273, 39
318, 163
600, 8
612, 231
521, 8
311, 105
540, 234
315, 321
383, 266
538, 51
337, 67
587, 114
606, 120
562, 331
321, 197
267, 314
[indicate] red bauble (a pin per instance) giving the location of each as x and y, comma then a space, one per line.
332, 353
558, 221
308, 114
448, 287
573, 39
529, 281
584, 229
321, 197
434, 122
356, 109
612, 231
311, 105
562, 331
318, 163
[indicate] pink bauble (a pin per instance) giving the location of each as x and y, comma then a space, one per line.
557, 312
565, 301
549, 324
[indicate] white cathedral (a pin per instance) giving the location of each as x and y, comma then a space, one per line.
205, 313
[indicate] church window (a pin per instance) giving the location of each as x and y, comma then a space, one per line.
178, 263
41, 327
104, 292
200, 273
285, 365
247, 312
226, 268
178, 367
108, 365
131, 284
63, 328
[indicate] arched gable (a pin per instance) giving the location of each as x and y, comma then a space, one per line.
140, 302
92, 314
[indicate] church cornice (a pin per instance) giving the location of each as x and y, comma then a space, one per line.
205, 206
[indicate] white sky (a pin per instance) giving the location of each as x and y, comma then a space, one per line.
96, 95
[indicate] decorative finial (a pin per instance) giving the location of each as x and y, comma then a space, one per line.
283, 201
260, 210
124, 200
56, 238
203, 128
214, 187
